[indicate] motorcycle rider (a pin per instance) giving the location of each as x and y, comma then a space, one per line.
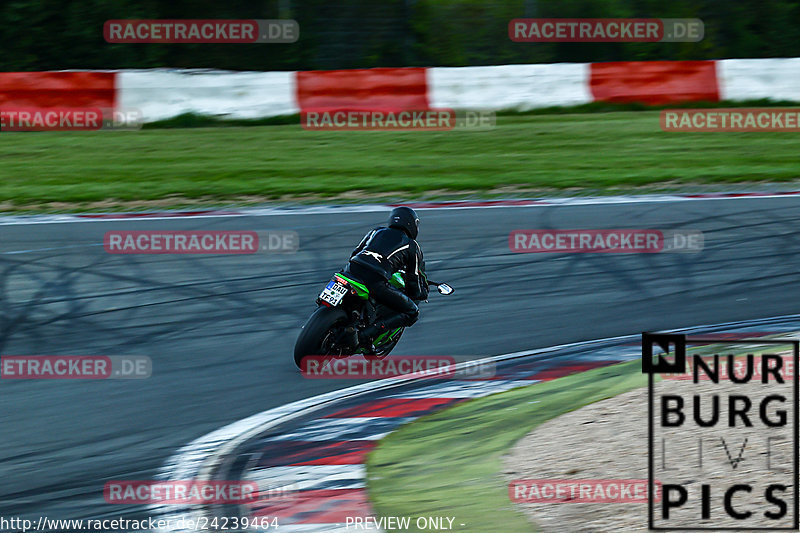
382, 252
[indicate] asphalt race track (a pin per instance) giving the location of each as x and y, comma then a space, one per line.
220, 329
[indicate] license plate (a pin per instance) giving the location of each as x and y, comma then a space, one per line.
333, 292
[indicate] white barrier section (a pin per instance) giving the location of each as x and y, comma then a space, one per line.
518, 87
161, 94
747, 79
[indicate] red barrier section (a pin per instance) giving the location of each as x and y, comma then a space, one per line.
57, 89
383, 89
654, 82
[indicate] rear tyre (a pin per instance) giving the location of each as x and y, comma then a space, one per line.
318, 332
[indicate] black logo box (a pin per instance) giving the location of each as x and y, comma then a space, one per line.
671, 342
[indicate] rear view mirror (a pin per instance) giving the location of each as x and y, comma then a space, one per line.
444, 288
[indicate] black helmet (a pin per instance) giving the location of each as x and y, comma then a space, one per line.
406, 219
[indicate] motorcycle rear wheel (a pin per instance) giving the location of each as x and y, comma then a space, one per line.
315, 337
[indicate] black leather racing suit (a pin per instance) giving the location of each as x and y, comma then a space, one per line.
381, 253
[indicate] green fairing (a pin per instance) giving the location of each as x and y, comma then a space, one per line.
398, 281
361, 290
382, 335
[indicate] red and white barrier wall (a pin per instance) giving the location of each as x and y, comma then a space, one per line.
161, 94
57, 89
747, 79
520, 87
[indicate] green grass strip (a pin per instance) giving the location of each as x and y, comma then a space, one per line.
449, 463
541, 153
194, 120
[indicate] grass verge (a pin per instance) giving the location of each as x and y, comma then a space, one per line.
449, 463
194, 120
215, 165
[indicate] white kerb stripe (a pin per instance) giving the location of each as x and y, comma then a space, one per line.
312, 477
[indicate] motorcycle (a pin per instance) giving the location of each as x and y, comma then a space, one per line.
345, 305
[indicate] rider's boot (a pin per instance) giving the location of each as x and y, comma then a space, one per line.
370, 333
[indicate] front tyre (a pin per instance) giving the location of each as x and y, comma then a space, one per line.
318, 332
